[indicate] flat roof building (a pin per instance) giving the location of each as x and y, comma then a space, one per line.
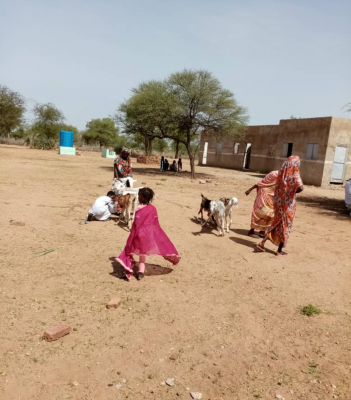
323, 145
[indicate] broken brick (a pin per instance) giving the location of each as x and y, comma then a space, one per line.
114, 303
56, 332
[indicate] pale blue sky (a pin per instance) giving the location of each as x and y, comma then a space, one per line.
279, 57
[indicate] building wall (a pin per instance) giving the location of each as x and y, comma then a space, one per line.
301, 132
267, 146
340, 133
262, 138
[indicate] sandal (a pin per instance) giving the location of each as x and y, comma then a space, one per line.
260, 248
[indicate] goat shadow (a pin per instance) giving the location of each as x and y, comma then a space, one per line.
150, 269
204, 229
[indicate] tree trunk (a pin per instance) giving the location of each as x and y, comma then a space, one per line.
148, 145
176, 149
192, 161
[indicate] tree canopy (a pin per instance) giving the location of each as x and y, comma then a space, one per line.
12, 108
45, 130
145, 112
102, 131
180, 108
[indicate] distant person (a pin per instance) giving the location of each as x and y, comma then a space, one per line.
162, 165
146, 238
123, 165
173, 167
102, 208
348, 194
180, 165
263, 209
166, 165
289, 183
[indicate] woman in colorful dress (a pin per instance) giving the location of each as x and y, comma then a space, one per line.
289, 183
263, 210
123, 165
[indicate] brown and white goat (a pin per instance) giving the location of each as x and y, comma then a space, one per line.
127, 204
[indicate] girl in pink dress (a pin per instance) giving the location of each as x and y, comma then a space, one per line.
146, 238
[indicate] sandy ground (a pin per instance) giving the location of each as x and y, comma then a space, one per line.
228, 316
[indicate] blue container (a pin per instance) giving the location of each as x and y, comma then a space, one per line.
66, 139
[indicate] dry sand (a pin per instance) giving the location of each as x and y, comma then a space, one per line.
227, 316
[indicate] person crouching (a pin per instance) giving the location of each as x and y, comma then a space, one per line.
103, 207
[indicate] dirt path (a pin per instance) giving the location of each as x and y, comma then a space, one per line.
229, 316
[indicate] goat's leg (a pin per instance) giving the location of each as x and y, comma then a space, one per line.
204, 223
227, 221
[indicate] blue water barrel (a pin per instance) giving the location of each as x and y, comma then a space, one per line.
66, 139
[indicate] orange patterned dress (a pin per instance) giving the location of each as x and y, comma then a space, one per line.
263, 210
289, 180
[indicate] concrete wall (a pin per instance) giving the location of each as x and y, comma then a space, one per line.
340, 133
267, 146
262, 139
300, 132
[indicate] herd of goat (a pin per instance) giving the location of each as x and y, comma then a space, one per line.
219, 211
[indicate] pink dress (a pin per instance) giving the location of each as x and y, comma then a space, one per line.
146, 239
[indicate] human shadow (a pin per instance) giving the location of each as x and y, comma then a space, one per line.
248, 243
242, 232
150, 269
327, 206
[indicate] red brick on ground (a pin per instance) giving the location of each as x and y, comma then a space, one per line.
114, 303
56, 332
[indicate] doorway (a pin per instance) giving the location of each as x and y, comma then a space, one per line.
204, 156
247, 156
339, 164
287, 149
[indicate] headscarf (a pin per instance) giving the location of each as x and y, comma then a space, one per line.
289, 175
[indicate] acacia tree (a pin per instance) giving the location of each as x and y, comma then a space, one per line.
183, 106
102, 131
146, 112
12, 108
45, 129
202, 104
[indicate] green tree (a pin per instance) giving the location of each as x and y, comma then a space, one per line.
160, 145
145, 112
102, 131
12, 108
183, 106
202, 104
46, 127
19, 133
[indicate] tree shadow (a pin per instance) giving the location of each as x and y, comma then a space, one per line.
252, 245
150, 269
155, 171
327, 206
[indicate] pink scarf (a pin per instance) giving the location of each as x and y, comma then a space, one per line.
147, 238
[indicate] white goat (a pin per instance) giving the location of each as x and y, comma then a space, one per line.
217, 211
229, 203
120, 184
